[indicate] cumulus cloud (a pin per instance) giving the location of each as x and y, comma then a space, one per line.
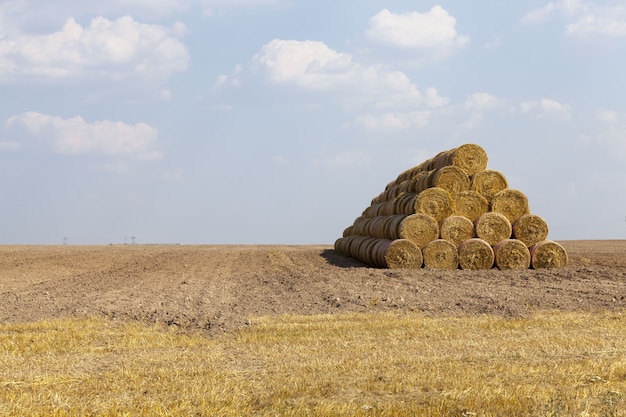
29, 13
76, 136
313, 66
547, 108
587, 18
110, 49
433, 29
386, 122
476, 105
610, 134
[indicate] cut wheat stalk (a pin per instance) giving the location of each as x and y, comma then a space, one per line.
470, 204
548, 254
488, 183
470, 158
419, 228
511, 254
435, 202
456, 229
475, 254
440, 254
512, 203
399, 254
492, 227
530, 229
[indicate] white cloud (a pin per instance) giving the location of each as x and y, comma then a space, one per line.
493, 44
607, 116
76, 136
609, 22
110, 49
547, 108
609, 136
435, 29
567, 7
313, 66
476, 105
587, 18
20, 13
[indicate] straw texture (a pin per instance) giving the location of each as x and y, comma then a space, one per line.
530, 229
440, 254
447, 212
470, 204
435, 202
470, 158
548, 254
475, 254
488, 183
492, 227
512, 254
512, 203
456, 229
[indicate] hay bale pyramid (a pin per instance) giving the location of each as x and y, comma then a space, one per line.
451, 212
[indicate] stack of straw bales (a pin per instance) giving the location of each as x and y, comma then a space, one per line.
451, 212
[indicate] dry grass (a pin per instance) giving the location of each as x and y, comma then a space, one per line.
551, 364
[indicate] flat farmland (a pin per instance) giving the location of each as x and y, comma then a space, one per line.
218, 288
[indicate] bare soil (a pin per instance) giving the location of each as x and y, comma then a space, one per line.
218, 288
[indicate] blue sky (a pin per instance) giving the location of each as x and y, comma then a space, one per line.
277, 121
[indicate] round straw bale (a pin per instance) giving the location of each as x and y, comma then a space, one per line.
400, 254
405, 203
451, 178
435, 202
512, 203
470, 158
419, 228
470, 204
488, 183
440, 254
420, 182
548, 254
512, 254
456, 229
492, 227
348, 231
530, 229
475, 253
361, 226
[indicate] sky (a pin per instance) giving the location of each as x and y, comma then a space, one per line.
278, 121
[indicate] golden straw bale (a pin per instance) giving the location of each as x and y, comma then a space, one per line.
440, 254
456, 229
420, 182
405, 203
512, 254
398, 254
530, 229
419, 228
470, 158
548, 254
450, 178
512, 203
435, 202
475, 253
492, 227
470, 204
488, 183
